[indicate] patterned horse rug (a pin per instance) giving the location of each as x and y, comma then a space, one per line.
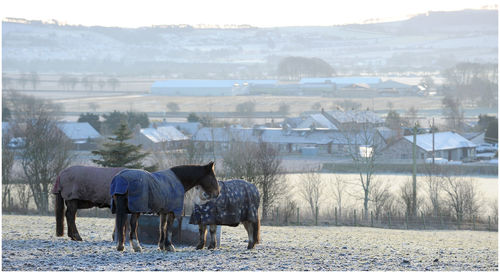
158, 192
238, 201
85, 183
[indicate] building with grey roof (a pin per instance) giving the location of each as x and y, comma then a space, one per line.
82, 134
163, 137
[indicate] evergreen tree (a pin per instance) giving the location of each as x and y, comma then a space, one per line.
119, 153
92, 119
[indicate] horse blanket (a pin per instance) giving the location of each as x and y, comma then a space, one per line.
238, 201
86, 183
158, 192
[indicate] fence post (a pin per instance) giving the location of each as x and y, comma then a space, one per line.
371, 218
389, 216
316, 218
406, 220
354, 217
423, 219
441, 219
473, 222
489, 223
336, 216
277, 216
298, 217
362, 215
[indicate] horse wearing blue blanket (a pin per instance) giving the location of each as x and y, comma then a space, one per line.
138, 191
238, 202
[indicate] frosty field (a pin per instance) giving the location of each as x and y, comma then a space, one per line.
29, 243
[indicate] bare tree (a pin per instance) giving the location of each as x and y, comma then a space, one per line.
46, 152
363, 147
434, 189
406, 196
379, 196
190, 154
453, 112
311, 189
462, 196
260, 164
338, 187
7, 164
34, 79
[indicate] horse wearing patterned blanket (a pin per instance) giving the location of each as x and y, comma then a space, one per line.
238, 202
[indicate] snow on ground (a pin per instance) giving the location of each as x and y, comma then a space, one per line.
29, 243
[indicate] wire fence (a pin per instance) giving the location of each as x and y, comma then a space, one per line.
383, 220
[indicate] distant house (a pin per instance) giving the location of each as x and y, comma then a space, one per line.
316, 121
448, 145
163, 137
353, 119
187, 128
82, 134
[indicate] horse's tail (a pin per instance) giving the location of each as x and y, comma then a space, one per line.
256, 230
59, 210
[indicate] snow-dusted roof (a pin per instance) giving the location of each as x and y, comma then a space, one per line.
442, 141
355, 116
162, 134
186, 127
78, 130
319, 120
276, 135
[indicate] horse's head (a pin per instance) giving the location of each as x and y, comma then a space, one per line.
208, 182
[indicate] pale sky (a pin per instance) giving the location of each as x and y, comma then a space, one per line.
260, 13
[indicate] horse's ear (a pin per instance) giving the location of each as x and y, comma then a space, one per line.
210, 166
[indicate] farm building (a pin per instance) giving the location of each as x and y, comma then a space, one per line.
448, 145
207, 87
187, 128
82, 134
163, 137
346, 120
322, 141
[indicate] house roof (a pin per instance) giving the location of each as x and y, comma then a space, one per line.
78, 130
186, 127
319, 120
163, 133
442, 141
355, 116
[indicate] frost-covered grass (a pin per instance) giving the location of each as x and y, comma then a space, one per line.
29, 243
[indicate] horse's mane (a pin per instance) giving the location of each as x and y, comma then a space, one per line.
189, 174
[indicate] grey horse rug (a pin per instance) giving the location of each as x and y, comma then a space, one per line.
158, 192
86, 183
238, 201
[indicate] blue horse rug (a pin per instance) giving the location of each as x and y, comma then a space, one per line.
158, 192
238, 201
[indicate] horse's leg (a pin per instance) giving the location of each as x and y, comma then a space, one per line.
250, 230
120, 220
71, 208
203, 235
213, 236
168, 240
134, 240
163, 231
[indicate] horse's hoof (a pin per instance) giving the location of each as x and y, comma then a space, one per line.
138, 249
250, 246
211, 247
200, 246
76, 238
170, 248
120, 248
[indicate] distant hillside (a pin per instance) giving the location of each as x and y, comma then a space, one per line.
428, 42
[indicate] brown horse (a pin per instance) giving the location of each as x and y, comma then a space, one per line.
137, 191
80, 187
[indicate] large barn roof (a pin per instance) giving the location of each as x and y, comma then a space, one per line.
442, 141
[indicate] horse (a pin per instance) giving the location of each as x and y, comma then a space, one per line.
80, 187
238, 202
137, 191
